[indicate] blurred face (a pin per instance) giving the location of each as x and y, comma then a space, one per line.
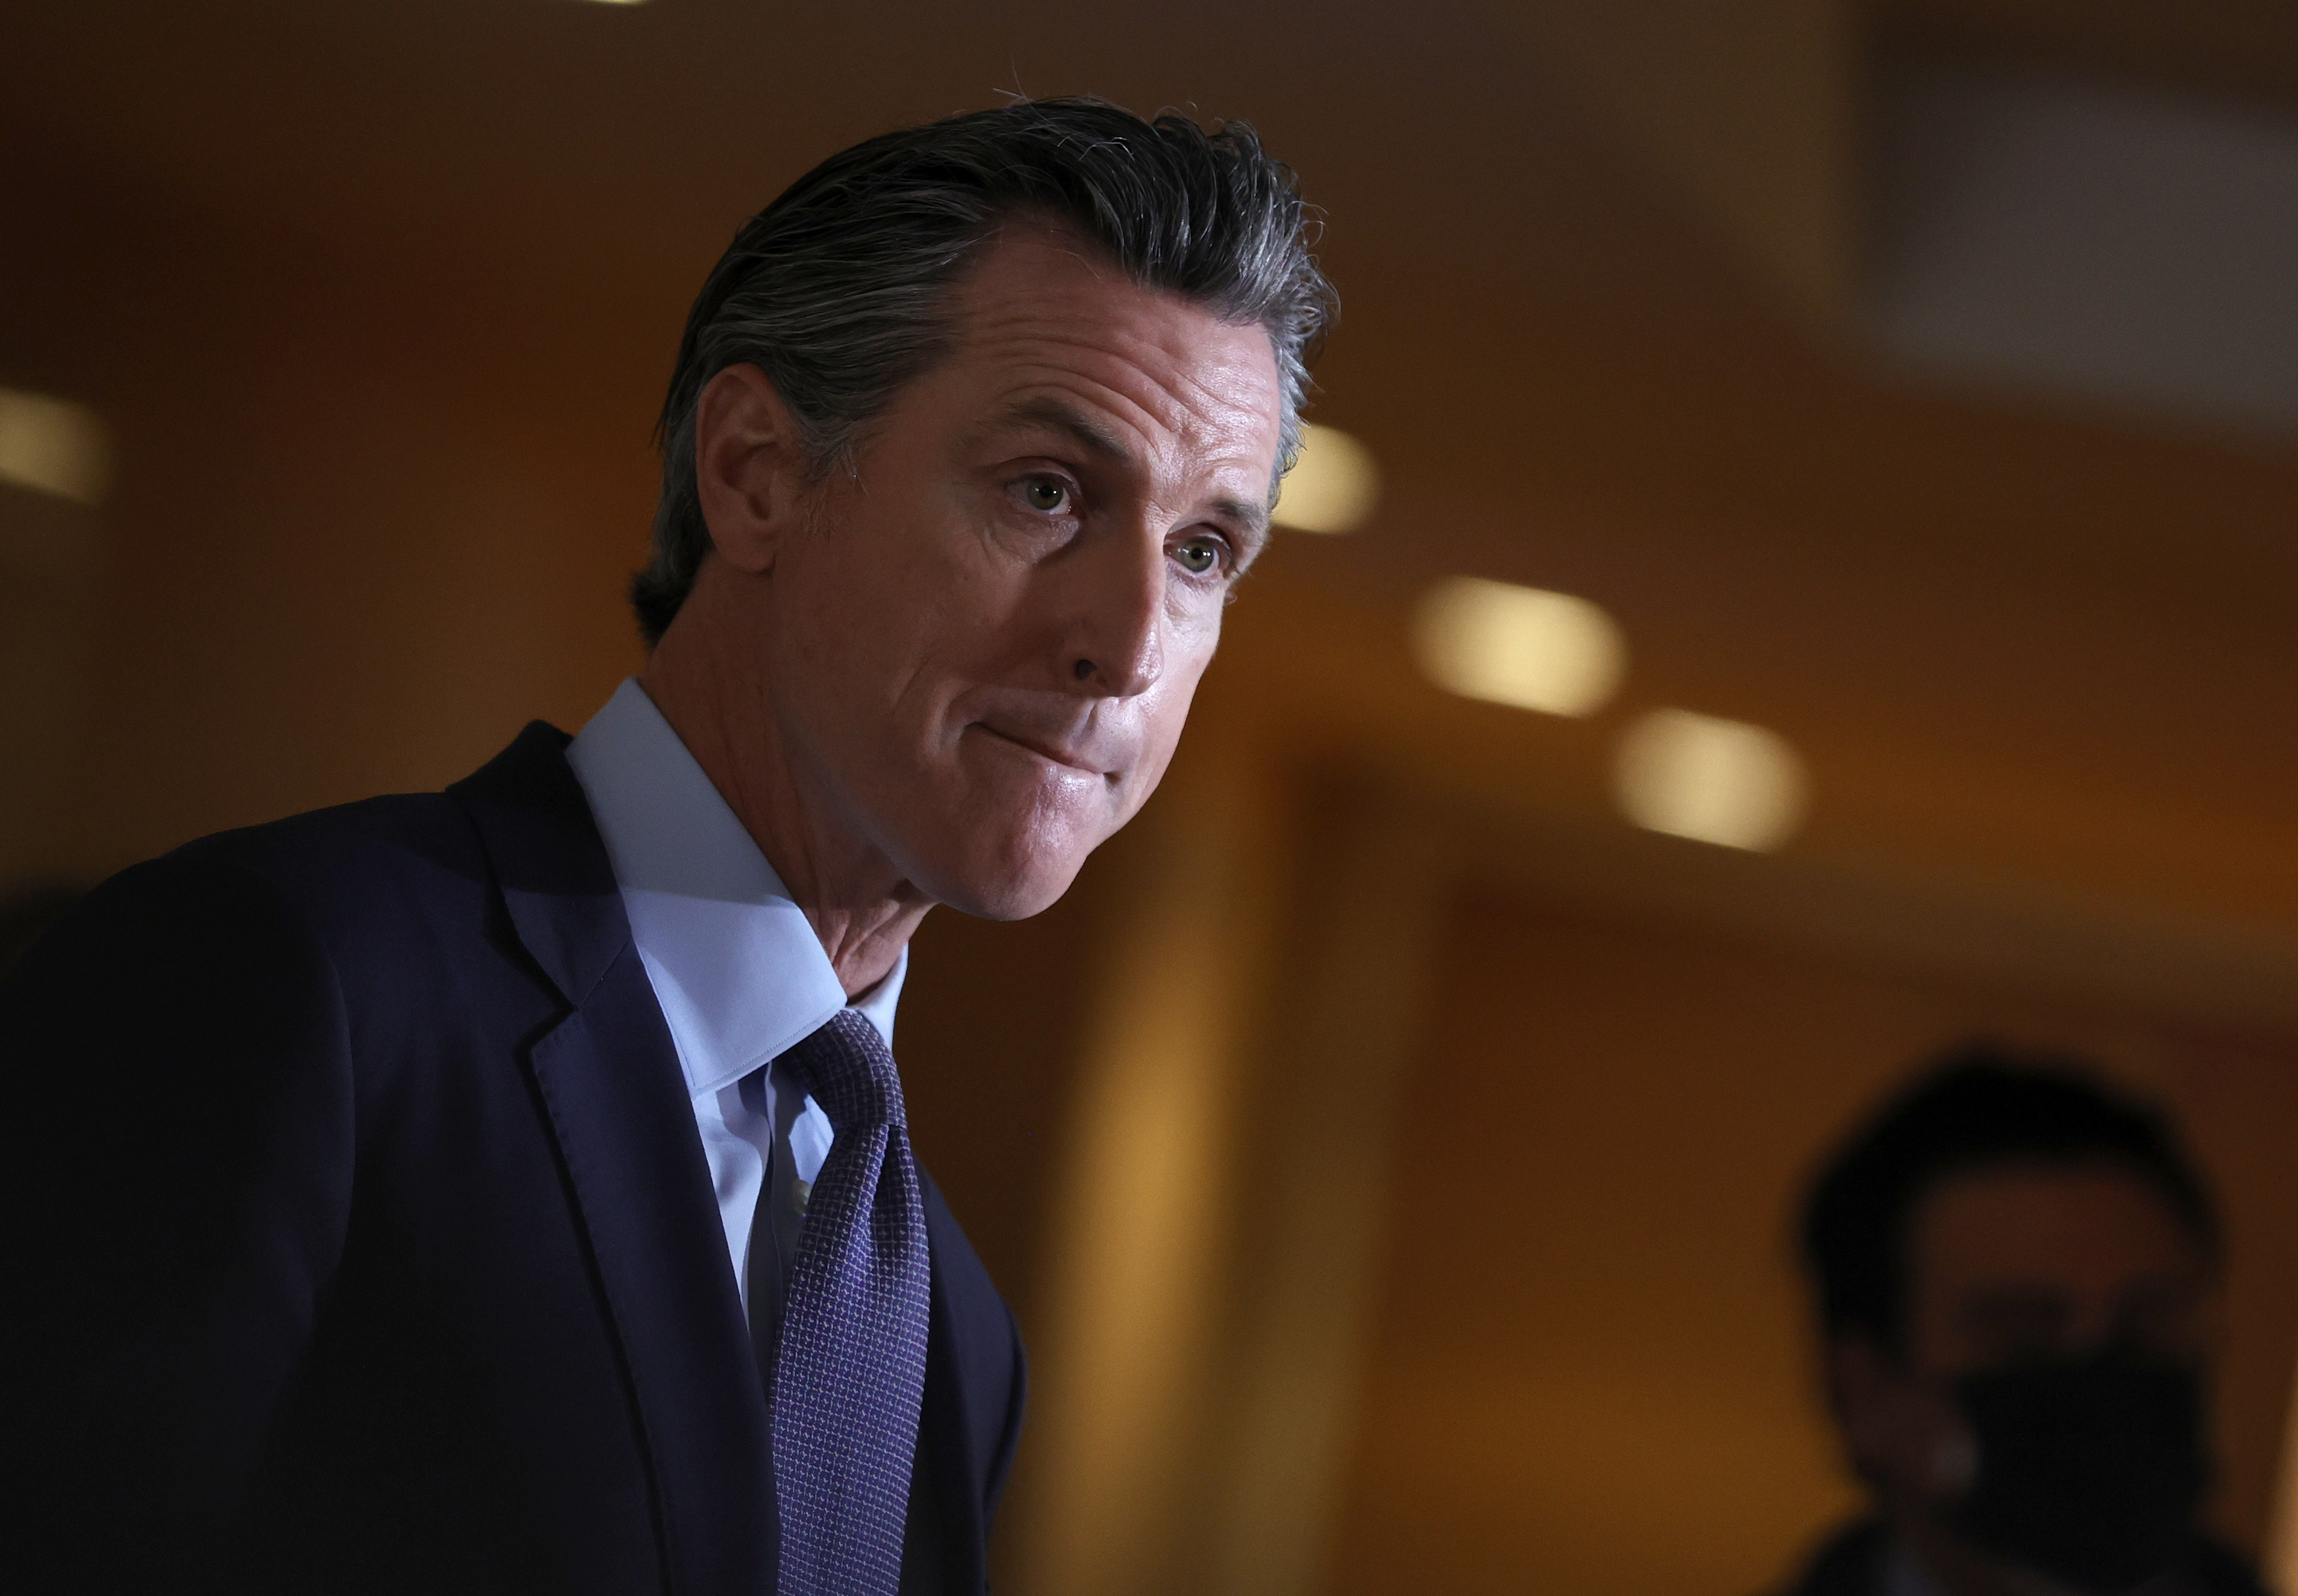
984, 649
2019, 1265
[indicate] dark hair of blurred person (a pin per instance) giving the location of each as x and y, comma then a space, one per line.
2016, 1269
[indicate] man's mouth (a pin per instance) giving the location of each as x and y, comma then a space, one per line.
1052, 752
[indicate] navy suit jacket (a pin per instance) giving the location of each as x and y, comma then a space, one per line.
363, 1240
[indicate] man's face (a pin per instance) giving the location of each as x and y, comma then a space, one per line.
2036, 1261
983, 653
2019, 1264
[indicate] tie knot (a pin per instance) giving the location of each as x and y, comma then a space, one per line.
852, 1072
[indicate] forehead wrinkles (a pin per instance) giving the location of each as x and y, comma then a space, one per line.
1166, 371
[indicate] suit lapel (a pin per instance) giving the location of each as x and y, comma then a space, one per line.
610, 1078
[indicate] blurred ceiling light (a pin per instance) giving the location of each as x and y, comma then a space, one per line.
1519, 645
1710, 780
1332, 485
53, 446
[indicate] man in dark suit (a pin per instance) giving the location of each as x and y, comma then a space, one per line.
510, 1188
2016, 1268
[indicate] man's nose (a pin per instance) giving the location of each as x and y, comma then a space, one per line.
1114, 646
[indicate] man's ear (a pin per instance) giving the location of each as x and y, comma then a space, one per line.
749, 467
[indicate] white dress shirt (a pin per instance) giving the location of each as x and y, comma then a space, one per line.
737, 968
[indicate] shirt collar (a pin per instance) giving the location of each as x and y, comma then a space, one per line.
734, 962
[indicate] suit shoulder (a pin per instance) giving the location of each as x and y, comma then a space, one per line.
346, 858
370, 833
341, 869
371, 890
307, 883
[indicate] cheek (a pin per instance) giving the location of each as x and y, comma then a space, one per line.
894, 652
945, 626
1166, 711
831, 685
1914, 1435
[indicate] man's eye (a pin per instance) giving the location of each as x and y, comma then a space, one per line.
1199, 555
1045, 494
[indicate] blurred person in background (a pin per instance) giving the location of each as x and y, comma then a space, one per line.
510, 1188
2017, 1270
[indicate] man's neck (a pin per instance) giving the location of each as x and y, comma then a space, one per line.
859, 905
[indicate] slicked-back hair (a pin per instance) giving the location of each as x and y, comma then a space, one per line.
1979, 1108
840, 290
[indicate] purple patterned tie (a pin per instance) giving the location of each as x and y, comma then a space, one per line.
850, 1366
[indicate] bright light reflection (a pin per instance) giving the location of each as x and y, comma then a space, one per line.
1332, 487
1710, 780
1519, 645
52, 446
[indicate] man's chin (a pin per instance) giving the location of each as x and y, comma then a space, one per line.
1014, 888
1014, 900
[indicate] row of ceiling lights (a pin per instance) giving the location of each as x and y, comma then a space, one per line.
1675, 770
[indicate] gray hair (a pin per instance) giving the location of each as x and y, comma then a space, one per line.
839, 291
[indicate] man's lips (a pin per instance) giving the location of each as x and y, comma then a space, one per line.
1055, 753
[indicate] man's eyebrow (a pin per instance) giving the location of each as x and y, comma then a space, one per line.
1247, 513
1094, 436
